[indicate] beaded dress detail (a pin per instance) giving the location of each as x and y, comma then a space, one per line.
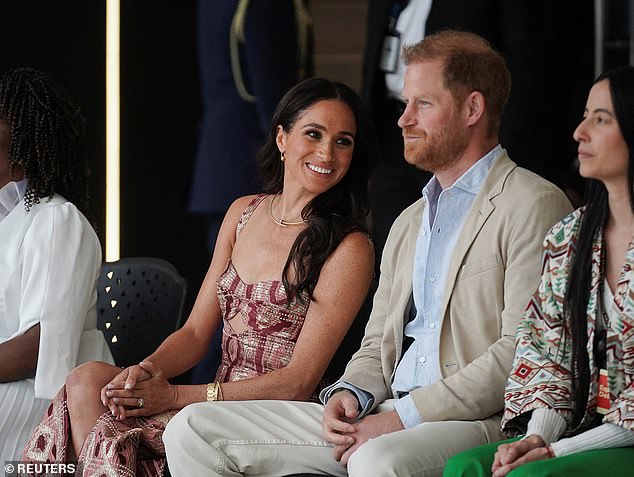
272, 322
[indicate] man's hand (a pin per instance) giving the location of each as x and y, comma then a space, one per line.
340, 412
370, 426
511, 456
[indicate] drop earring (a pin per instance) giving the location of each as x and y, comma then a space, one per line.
282, 156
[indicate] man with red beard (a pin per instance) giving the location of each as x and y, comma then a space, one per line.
457, 271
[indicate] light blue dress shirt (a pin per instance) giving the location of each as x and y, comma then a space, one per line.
442, 221
443, 217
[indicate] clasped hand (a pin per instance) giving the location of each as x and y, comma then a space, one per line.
347, 434
512, 455
142, 383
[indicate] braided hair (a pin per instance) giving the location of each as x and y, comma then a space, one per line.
46, 131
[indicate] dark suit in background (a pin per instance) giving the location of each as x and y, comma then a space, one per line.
238, 105
548, 49
232, 127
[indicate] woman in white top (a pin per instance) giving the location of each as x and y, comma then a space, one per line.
50, 255
571, 387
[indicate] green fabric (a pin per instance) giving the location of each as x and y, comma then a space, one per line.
475, 462
617, 462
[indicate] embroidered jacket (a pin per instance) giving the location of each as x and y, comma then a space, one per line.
540, 376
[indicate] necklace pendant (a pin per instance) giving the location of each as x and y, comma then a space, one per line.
282, 222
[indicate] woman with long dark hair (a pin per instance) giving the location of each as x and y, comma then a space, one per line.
571, 387
50, 256
290, 271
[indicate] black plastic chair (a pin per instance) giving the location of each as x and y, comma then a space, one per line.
140, 301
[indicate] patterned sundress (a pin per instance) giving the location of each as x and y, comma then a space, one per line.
134, 447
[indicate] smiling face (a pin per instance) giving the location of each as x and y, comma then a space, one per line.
603, 152
433, 132
318, 148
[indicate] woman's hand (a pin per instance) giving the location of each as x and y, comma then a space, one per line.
126, 379
511, 456
141, 384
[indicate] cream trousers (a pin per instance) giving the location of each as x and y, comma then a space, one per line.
278, 438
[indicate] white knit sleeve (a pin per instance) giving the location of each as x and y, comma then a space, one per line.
605, 436
547, 424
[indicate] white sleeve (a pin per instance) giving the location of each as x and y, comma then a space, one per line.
547, 424
61, 261
605, 436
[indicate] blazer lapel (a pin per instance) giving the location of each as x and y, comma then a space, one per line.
406, 282
412, 237
480, 212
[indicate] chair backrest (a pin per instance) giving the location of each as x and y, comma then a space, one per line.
140, 301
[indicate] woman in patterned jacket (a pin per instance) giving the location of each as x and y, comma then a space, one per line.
571, 387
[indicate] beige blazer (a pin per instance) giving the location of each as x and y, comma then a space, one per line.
494, 270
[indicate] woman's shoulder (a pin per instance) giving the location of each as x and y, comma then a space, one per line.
57, 223
239, 213
356, 243
57, 209
566, 230
241, 204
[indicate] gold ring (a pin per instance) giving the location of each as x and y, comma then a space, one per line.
139, 402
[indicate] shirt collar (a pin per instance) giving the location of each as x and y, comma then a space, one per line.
10, 196
470, 181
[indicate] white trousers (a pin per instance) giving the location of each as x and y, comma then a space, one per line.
278, 438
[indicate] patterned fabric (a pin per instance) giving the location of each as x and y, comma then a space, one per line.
272, 322
134, 447
541, 371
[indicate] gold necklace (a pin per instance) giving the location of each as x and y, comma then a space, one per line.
281, 222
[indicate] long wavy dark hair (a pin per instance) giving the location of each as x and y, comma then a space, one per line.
46, 133
595, 217
332, 214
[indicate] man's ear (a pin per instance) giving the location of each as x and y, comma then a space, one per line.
474, 107
280, 138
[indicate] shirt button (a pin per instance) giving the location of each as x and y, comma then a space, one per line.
422, 360
432, 279
432, 325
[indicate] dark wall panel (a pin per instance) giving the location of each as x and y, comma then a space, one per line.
65, 39
160, 110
